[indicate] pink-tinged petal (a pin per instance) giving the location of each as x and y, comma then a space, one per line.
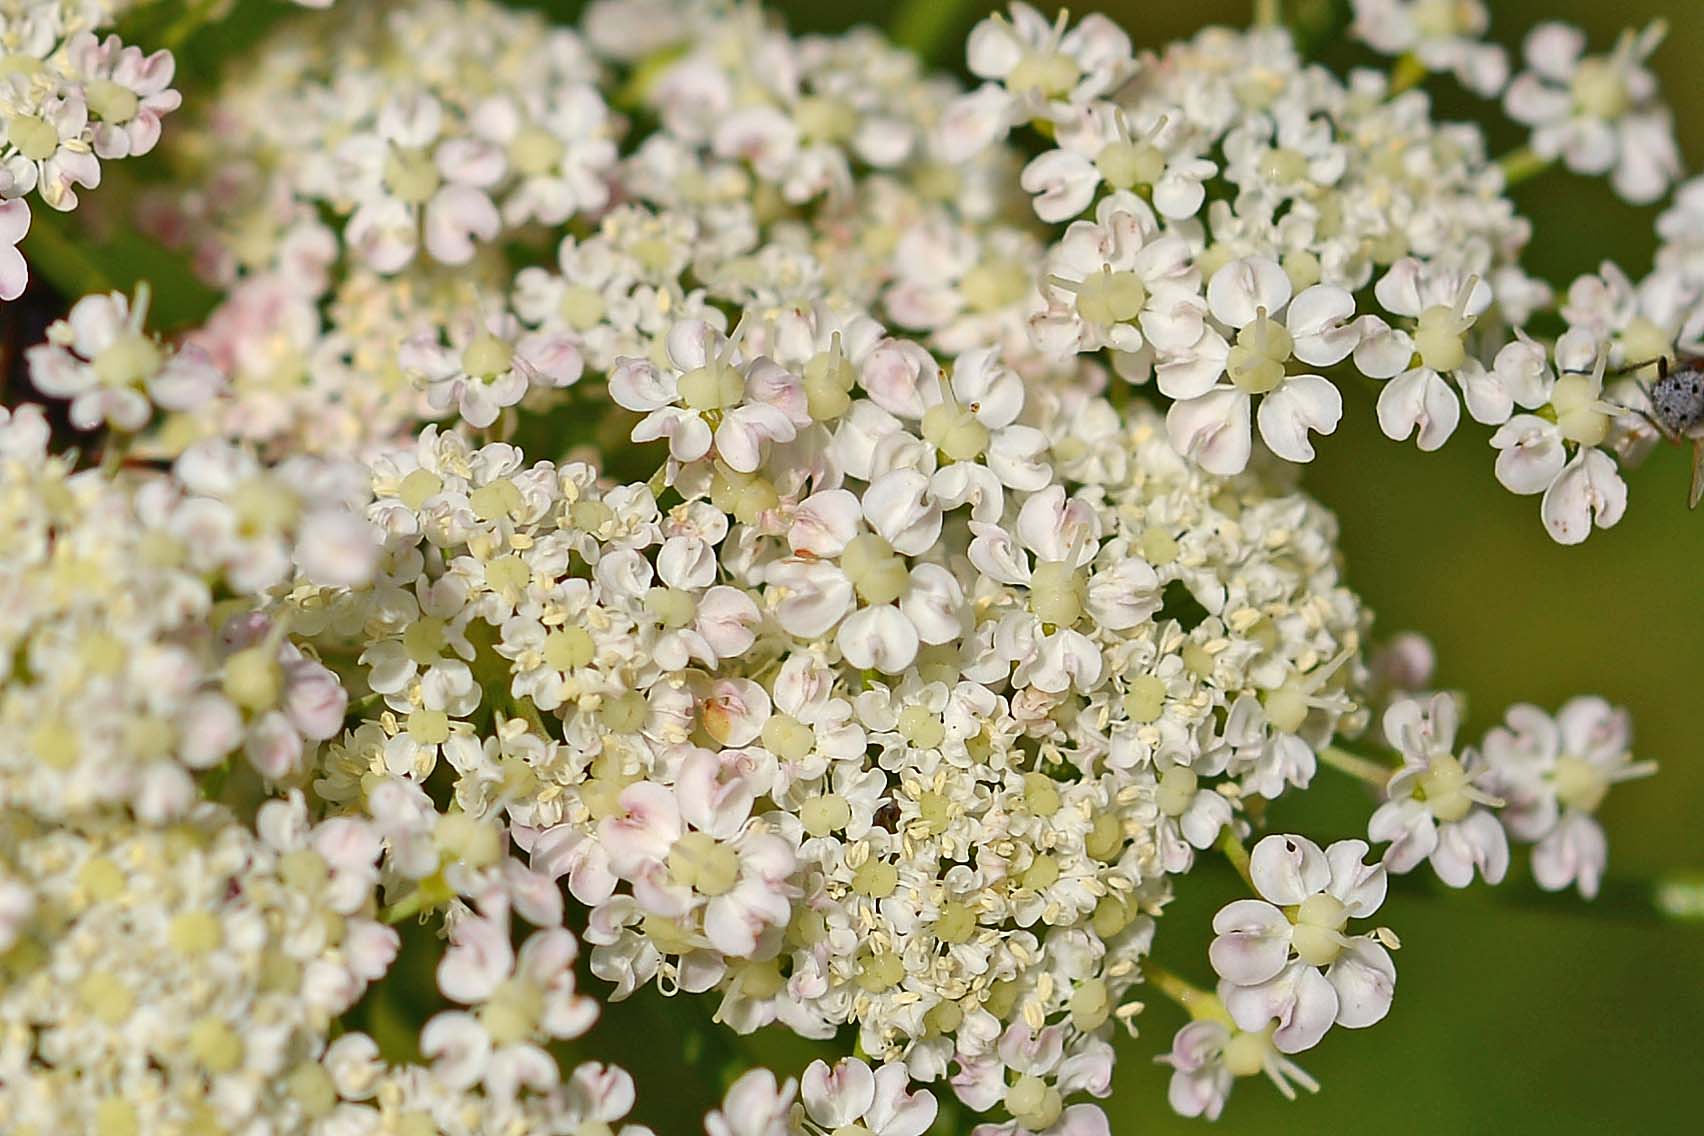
878, 637
1365, 980
754, 1106
1399, 289
974, 121
456, 218
1591, 728
1382, 351
1321, 321
1288, 869
1082, 1120
1409, 828
895, 1111
478, 960
688, 434
647, 827
458, 1047
838, 1095
1553, 50
1213, 430
1252, 944
1488, 401
1299, 1000
1530, 454
1476, 841
1062, 182
14, 221
1240, 290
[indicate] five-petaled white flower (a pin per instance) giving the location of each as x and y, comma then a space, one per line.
1287, 956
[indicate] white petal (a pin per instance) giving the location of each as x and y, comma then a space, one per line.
1530, 454
1240, 289
1288, 869
1212, 430
1321, 320
1252, 943
1306, 402
1365, 980
1588, 490
837, 1096
1419, 400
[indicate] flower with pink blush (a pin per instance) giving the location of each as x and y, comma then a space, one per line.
755, 1105
1555, 773
1598, 113
127, 92
1287, 957
480, 367
849, 1094
1211, 1053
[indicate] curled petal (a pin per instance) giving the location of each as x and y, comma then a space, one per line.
1306, 402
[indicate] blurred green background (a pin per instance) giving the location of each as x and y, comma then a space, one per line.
1509, 1018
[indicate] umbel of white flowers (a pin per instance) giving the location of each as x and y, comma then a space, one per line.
813, 535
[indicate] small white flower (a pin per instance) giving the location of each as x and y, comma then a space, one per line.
1434, 808
1443, 35
1209, 1054
488, 365
755, 1105
1286, 956
1598, 113
1444, 305
1555, 773
1533, 449
1210, 420
848, 1095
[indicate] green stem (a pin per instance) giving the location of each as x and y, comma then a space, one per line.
1268, 13
1198, 1003
924, 25
1237, 855
1521, 165
1372, 772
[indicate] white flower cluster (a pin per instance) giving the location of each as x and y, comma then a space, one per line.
69, 101
693, 491
1354, 236
919, 754
133, 653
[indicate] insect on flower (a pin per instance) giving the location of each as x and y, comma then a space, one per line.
1677, 411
